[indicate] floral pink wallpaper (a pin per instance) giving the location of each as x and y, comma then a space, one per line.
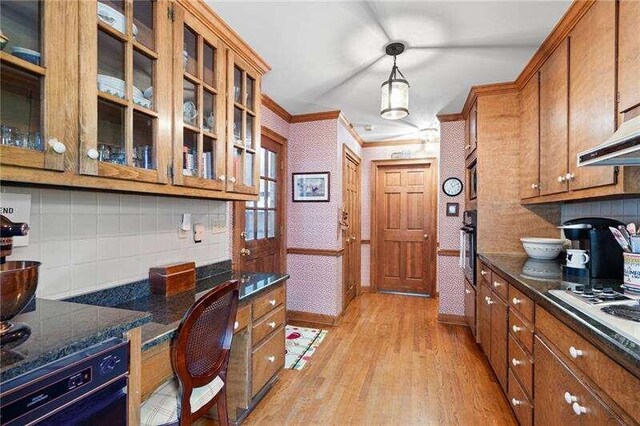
274, 122
450, 276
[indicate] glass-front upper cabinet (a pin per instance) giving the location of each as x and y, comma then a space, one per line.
199, 114
125, 89
33, 91
243, 126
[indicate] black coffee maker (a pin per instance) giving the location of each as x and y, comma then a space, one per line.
593, 235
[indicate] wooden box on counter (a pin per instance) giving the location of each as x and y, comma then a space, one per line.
172, 279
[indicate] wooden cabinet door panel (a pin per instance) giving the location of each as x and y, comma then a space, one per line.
628, 54
267, 360
473, 129
554, 124
499, 343
552, 379
592, 91
484, 318
470, 306
530, 139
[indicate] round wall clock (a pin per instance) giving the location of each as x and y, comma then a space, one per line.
452, 187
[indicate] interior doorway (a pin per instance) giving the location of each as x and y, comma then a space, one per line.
259, 230
404, 223
351, 236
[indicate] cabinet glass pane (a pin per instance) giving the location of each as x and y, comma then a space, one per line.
248, 137
208, 109
189, 153
143, 22
237, 126
271, 159
261, 225
237, 84
190, 53
250, 86
190, 103
271, 194
208, 57
20, 109
143, 137
142, 80
263, 162
111, 133
249, 225
21, 25
208, 158
271, 225
248, 168
262, 196
111, 12
237, 162
110, 65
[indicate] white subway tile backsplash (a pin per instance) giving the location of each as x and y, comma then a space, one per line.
89, 240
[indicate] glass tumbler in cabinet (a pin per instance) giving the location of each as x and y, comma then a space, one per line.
243, 126
125, 46
198, 63
33, 134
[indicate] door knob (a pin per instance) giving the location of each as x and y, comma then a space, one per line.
426, 237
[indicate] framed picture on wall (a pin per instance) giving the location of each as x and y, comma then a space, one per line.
311, 187
453, 209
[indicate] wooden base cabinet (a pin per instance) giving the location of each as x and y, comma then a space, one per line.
492, 326
470, 306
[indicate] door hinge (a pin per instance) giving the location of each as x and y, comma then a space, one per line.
171, 13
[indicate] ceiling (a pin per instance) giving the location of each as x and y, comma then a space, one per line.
330, 55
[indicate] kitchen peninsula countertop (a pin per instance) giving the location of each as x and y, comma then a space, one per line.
167, 312
61, 328
618, 347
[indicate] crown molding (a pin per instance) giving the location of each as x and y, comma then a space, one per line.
486, 90
315, 116
445, 118
276, 108
399, 142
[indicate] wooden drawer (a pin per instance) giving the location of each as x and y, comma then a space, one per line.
520, 403
268, 324
242, 318
521, 331
499, 286
612, 378
267, 360
484, 273
268, 302
521, 304
521, 366
559, 393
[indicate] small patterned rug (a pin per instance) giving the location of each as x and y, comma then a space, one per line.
302, 343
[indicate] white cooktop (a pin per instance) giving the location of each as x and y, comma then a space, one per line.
627, 328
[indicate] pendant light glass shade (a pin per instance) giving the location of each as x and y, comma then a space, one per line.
395, 99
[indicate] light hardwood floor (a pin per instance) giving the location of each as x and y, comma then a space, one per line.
389, 363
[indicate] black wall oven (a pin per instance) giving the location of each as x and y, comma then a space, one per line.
468, 248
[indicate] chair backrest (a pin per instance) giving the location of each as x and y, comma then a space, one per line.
200, 351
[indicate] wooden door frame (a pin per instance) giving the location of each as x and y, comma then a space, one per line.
375, 170
348, 154
281, 204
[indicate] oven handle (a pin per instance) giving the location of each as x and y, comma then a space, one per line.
462, 259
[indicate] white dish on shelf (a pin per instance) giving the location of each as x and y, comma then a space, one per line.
148, 92
137, 92
112, 85
543, 248
143, 102
26, 54
115, 19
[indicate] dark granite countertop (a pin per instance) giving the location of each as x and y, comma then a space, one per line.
62, 328
516, 270
167, 312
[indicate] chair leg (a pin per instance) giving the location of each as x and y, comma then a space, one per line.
223, 416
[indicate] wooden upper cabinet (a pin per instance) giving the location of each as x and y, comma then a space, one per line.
554, 125
37, 98
592, 91
199, 98
530, 139
472, 130
125, 96
243, 125
628, 54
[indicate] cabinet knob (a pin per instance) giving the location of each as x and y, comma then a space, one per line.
92, 153
232, 179
496, 284
272, 324
57, 146
515, 402
578, 409
515, 362
489, 301
222, 178
516, 301
575, 353
272, 358
569, 176
516, 329
561, 179
467, 147
466, 290
535, 186
272, 302
570, 398
236, 325
483, 272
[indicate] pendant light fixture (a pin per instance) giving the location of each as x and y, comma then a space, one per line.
395, 90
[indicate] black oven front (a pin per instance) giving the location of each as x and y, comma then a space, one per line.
468, 240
